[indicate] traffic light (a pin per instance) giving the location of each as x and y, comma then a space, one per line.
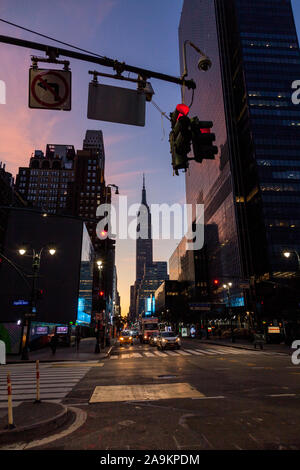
202, 140
39, 294
180, 137
216, 283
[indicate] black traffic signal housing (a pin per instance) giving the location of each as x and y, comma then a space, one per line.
202, 140
180, 140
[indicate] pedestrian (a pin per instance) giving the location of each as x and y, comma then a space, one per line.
53, 343
77, 339
259, 339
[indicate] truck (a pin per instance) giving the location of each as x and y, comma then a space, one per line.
148, 326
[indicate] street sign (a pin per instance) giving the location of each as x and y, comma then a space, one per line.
115, 104
200, 306
50, 89
245, 285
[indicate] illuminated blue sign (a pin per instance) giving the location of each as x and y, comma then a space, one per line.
150, 306
21, 302
82, 317
236, 302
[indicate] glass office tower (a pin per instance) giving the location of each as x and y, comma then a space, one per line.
251, 190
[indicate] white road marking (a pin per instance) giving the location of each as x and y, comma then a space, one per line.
144, 392
182, 353
54, 384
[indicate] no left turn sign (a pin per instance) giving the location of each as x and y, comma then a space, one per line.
50, 89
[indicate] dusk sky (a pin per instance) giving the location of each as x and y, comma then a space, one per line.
138, 32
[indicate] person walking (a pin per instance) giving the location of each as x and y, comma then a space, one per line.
53, 343
77, 338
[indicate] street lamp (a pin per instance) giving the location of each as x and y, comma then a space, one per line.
36, 262
227, 287
204, 63
97, 347
287, 254
116, 188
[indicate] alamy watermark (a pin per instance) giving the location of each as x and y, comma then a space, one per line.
2, 92
295, 356
167, 222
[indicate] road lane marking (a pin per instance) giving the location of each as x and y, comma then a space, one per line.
282, 395
158, 353
144, 392
182, 353
193, 351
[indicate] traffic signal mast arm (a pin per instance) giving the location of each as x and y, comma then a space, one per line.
105, 61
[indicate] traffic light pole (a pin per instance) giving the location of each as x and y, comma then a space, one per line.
54, 52
35, 267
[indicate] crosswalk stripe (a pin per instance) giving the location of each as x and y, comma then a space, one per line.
193, 351
158, 353
182, 353
204, 351
172, 353
188, 352
54, 384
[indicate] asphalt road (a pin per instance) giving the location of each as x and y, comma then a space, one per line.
203, 397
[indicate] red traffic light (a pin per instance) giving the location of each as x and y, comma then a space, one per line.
182, 109
205, 131
216, 282
101, 293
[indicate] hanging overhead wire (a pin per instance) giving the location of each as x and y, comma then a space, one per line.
163, 114
49, 37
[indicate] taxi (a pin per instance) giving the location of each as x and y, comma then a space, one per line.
125, 338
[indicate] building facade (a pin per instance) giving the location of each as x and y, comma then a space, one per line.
48, 181
251, 190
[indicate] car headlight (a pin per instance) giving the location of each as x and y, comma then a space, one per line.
154, 339
121, 339
145, 337
178, 340
130, 337
164, 340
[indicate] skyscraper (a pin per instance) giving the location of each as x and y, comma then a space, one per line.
149, 273
251, 190
143, 245
48, 180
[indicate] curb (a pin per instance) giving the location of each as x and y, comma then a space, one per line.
41, 428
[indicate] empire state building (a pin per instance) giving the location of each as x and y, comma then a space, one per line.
144, 256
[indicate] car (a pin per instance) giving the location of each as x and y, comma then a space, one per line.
134, 333
125, 338
168, 339
153, 339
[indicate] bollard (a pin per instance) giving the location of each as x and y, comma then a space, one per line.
9, 402
37, 400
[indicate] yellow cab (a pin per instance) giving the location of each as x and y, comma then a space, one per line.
125, 338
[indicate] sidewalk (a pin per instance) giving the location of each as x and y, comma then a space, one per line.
33, 421
244, 344
63, 353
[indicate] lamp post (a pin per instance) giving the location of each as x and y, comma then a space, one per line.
204, 63
36, 263
116, 188
227, 287
97, 347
